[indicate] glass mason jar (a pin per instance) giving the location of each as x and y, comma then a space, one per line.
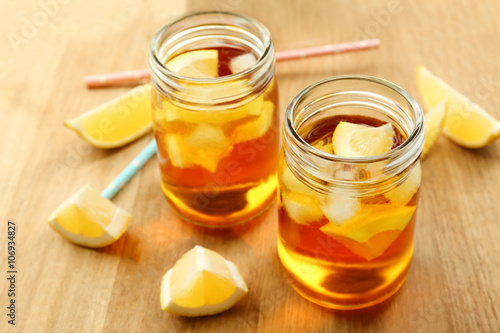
346, 223
217, 135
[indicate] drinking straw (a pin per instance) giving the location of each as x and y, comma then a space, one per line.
141, 75
130, 170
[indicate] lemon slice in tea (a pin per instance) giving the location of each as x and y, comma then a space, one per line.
355, 140
196, 64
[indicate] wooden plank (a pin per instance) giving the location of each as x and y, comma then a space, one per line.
453, 284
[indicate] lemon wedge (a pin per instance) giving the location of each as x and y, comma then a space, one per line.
372, 230
201, 283
117, 122
434, 123
466, 124
338, 208
355, 140
203, 64
88, 219
375, 246
199, 64
371, 220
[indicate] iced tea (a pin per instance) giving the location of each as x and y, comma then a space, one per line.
218, 162
341, 250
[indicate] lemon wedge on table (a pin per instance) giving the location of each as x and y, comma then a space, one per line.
201, 283
117, 122
88, 219
466, 124
356, 140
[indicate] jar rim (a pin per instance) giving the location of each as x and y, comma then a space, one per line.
157, 64
417, 131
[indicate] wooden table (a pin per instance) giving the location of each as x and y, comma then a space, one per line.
454, 281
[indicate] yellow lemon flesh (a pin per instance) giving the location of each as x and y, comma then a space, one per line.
201, 283
117, 122
88, 219
203, 64
199, 64
355, 140
434, 123
466, 124
364, 227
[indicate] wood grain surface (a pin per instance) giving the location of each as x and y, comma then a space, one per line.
47, 46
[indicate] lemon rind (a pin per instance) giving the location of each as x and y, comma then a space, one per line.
169, 306
112, 232
494, 132
75, 124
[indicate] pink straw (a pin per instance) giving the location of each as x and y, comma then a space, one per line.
327, 49
141, 75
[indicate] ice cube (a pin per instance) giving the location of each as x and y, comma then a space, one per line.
243, 62
301, 208
255, 128
290, 182
207, 136
210, 144
338, 208
403, 193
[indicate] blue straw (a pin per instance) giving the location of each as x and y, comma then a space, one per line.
131, 169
